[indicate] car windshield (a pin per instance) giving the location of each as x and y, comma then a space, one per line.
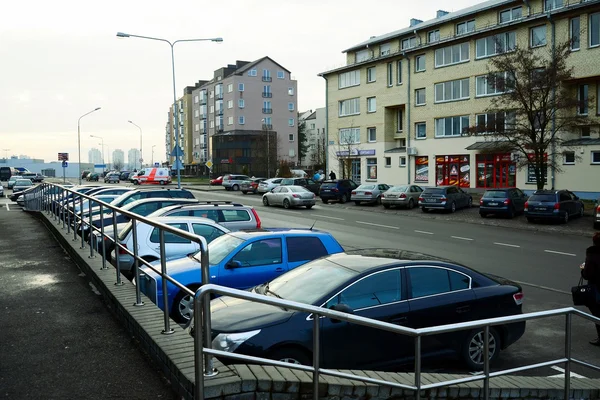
219, 248
311, 282
366, 187
298, 189
543, 197
24, 182
398, 189
495, 194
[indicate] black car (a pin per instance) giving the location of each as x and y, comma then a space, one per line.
306, 183
124, 176
557, 205
507, 202
337, 189
400, 287
449, 198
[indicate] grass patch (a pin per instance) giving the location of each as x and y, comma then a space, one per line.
194, 180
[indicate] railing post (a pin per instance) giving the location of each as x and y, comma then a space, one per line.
163, 273
316, 355
486, 361
81, 219
91, 229
64, 214
418, 367
208, 360
119, 282
136, 263
72, 200
101, 240
55, 201
198, 347
568, 356
68, 214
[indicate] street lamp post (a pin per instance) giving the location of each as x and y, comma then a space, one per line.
79, 138
101, 144
153, 146
172, 44
141, 157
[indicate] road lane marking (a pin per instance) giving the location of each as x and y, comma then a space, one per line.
323, 216
541, 287
461, 238
506, 244
381, 226
7, 208
559, 369
424, 232
561, 253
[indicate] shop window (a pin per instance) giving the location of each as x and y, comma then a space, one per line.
453, 170
422, 169
495, 171
372, 168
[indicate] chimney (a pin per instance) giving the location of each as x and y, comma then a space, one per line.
441, 13
414, 22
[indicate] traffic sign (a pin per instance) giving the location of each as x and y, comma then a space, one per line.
177, 152
63, 156
209, 164
65, 164
157, 164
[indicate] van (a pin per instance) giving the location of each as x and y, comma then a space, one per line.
152, 175
5, 173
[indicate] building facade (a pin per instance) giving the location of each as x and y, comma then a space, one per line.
315, 137
133, 159
399, 108
94, 156
118, 158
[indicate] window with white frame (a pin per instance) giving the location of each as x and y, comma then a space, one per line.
371, 168
230, 88
495, 122
388, 161
390, 74
385, 49
495, 44
371, 135
402, 161
463, 28
569, 158
241, 120
266, 75
291, 137
349, 136
595, 157
398, 72
537, 36
575, 33
491, 85
452, 90
420, 130
291, 106
267, 106
349, 107
211, 94
510, 14
229, 103
594, 29
450, 55
240, 87
212, 109
582, 99
552, 4
241, 103
229, 120
400, 120
451, 126
585, 132
291, 91
290, 121
371, 74
197, 128
196, 99
252, 72
371, 104
420, 63
433, 36
280, 74
408, 43
420, 98
362, 55
212, 123
196, 113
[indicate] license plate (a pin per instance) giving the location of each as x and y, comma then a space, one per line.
541, 208
360, 193
430, 200
325, 190
391, 196
492, 204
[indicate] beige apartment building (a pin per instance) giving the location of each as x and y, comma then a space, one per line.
400, 105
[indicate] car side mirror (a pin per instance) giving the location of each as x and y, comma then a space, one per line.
233, 264
345, 308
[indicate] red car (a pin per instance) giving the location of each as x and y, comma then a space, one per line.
217, 181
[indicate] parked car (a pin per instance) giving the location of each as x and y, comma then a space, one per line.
217, 181
233, 181
148, 239
338, 189
558, 205
5, 173
507, 202
369, 193
251, 185
415, 291
124, 176
152, 175
90, 191
112, 177
15, 195
21, 184
268, 185
401, 196
84, 174
289, 196
306, 183
12, 180
449, 198
240, 260
107, 198
1, 190
33, 176
93, 177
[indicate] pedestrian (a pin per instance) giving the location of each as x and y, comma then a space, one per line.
590, 271
332, 175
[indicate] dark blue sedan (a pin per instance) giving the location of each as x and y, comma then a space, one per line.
506, 202
556, 205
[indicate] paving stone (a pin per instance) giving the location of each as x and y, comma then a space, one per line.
248, 378
277, 380
263, 380
292, 383
241, 396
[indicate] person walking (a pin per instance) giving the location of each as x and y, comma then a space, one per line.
590, 271
332, 175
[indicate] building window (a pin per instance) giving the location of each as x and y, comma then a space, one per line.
372, 168
451, 126
291, 137
240, 87
384, 49
594, 28
495, 122
399, 72
575, 33
400, 120
267, 91
291, 106
280, 75
212, 123
266, 75
230, 88
197, 128
569, 157
402, 161
388, 161
510, 14
347, 79
196, 113
241, 120
241, 103
371, 74
371, 135
552, 4
452, 90
495, 44
582, 100
267, 109
420, 98
229, 120
585, 132
362, 55
433, 36
211, 95
349, 107
371, 104
196, 99
252, 72
537, 36
420, 130
267, 122
212, 109
290, 91
291, 122
465, 27
484, 86
409, 43
349, 136
420, 63
595, 157
229, 103
452, 55
390, 74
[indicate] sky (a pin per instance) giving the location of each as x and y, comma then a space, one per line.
61, 59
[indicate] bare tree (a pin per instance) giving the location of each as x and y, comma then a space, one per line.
346, 149
264, 150
118, 165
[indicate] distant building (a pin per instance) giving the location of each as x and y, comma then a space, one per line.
94, 156
118, 158
315, 136
133, 159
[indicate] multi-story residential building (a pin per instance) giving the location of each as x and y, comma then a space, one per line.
118, 158
94, 156
133, 159
315, 136
245, 118
403, 100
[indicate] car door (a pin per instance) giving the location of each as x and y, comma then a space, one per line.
382, 188
208, 232
415, 193
282, 194
380, 296
175, 245
517, 198
574, 203
566, 203
312, 186
257, 262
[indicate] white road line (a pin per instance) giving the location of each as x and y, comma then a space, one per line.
559, 369
323, 216
561, 253
506, 244
382, 226
7, 208
424, 232
461, 238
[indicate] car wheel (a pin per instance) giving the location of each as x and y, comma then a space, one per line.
378, 202
581, 212
244, 192
291, 355
235, 188
265, 201
473, 348
162, 183
482, 215
357, 203
325, 201
566, 217
136, 183
286, 204
386, 206
452, 207
411, 204
344, 198
183, 306
470, 203
309, 207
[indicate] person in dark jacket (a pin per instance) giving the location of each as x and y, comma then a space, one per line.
591, 272
332, 175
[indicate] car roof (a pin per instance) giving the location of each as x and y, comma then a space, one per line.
155, 199
166, 219
203, 204
254, 233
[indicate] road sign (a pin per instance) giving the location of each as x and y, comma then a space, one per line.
65, 164
209, 164
99, 165
63, 156
177, 152
157, 164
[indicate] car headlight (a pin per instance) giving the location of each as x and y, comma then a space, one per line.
231, 341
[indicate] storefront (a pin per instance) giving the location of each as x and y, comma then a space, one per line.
453, 170
496, 171
422, 169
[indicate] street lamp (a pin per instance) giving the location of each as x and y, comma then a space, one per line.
79, 138
141, 158
172, 44
102, 144
153, 146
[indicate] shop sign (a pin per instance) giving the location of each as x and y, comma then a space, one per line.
422, 169
355, 152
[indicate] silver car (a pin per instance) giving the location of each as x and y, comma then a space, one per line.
290, 196
268, 185
22, 184
369, 193
401, 196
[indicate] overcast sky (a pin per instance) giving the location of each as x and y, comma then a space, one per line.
60, 59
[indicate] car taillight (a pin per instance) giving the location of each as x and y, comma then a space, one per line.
383, 196
335, 190
122, 249
353, 192
518, 297
314, 195
258, 223
506, 202
443, 198
296, 196
526, 205
557, 206
480, 202
420, 199
403, 196
368, 193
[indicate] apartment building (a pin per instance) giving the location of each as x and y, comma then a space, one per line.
118, 157
133, 159
94, 156
315, 136
400, 106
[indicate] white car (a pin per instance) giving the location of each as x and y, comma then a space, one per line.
107, 198
175, 246
1, 190
268, 185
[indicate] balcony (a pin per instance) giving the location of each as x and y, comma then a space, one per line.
219, 111
399, 135
267, 111
267, 94
202, 131
267, 79
203, 116
267, 126
219, 96
203, 101
219, 128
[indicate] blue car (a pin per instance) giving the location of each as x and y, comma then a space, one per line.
239, 260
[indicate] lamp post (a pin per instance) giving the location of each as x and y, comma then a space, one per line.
79, 138
153, 146
172, 44
101, 144
141, 157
